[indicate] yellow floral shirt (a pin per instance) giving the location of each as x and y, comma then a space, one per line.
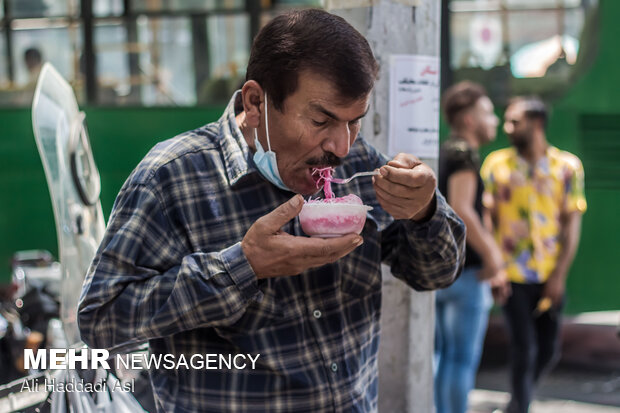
527, 203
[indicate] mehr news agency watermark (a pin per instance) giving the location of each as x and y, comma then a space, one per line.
71, 359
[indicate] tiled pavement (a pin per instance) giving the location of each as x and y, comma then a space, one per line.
563, 391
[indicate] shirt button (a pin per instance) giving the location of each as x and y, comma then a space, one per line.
334, 367
316, 314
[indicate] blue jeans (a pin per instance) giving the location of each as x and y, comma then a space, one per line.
462, 314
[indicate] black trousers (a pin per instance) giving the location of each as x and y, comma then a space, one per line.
535, 344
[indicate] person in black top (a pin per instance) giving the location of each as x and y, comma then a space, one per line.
462, 309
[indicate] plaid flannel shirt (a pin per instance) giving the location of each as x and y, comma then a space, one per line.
171, 270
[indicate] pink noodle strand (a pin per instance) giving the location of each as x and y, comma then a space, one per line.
325, 179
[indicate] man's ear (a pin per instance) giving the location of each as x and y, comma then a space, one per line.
540, 124
253, 103
467, 120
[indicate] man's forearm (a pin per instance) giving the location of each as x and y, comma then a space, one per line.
206, 289
480, 238
569, 241
429, 255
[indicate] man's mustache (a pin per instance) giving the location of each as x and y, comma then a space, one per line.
327, 159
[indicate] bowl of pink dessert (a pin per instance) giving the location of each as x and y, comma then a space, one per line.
333, 217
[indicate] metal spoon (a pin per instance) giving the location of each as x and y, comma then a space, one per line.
357, 175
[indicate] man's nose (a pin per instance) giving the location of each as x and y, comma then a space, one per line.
508, 127
339, 141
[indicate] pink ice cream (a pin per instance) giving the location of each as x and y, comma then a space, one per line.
333, 216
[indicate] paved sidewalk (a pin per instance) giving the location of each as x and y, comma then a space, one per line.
563, 391
488, 401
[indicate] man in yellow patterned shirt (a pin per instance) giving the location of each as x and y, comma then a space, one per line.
534, 194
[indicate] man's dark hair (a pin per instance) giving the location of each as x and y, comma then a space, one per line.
312, 40
460, 97
32, 57
534, 108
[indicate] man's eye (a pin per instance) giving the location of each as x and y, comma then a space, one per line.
316, 123
355, 122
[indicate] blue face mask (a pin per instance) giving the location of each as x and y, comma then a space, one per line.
266, 161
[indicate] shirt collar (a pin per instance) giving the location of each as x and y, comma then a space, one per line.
542, 163
236, 152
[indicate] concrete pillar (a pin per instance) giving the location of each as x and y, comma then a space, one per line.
407, 322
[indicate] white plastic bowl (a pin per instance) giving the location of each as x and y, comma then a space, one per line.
328, 220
